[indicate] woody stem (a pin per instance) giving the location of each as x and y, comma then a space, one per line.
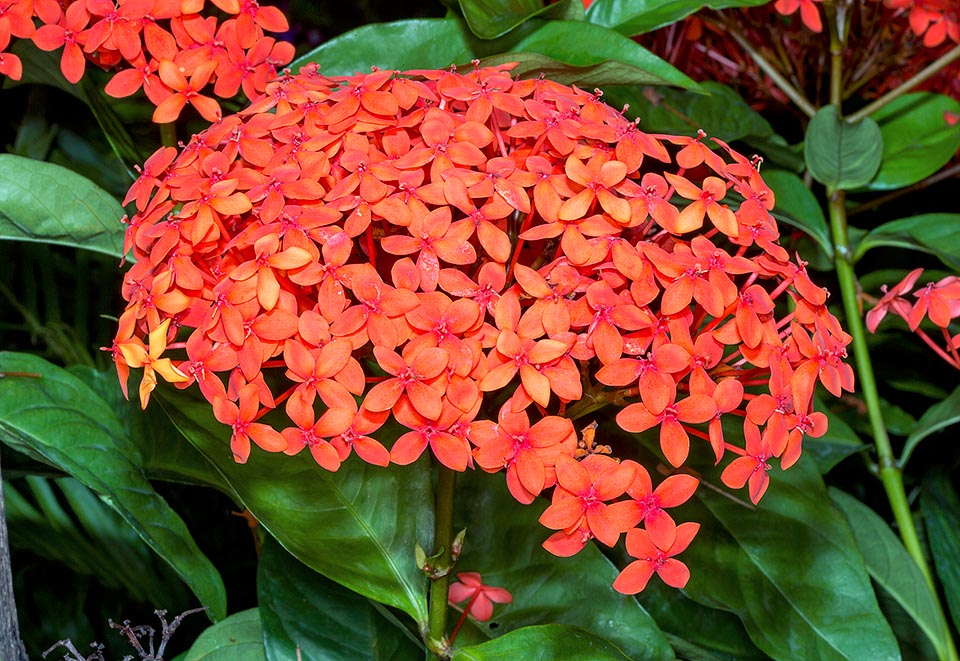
437, 641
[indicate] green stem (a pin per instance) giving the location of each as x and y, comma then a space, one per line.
437, 642
890, 473
898, 91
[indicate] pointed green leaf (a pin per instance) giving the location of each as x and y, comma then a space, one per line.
939, 416
941, 514
585, 46
633, 17
552, 642
934, 233
841, 155
57, 419
790, 569
358, 526
576, 590
301, 609
489, 19
917, 140
237, 638
48, 203
797, 206
838, 443
892, 568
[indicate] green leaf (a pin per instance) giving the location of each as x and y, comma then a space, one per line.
934, 233
237, 638
503, 544
720, 112
917, 141
937, 417
489, 19
57, 419
838, 443
358, 526
552, 642
301, 609
841, 155
892, 568
797, 206
423, 43
585, 47
941, 514
633, 17
48, 203
791, 570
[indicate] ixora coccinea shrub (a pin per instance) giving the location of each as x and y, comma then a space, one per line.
487, 261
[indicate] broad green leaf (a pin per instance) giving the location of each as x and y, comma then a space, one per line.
917, 140
57, 419
941, 514
838, 443
422, 43
937, 417
489, 19
552, 642
841, 155
934, 233
48, 203
583, 45
791, 571
503, 544
721, 112
358, 526
633, 17
301, 609
892, 568
237, 638
797, 206
718, 634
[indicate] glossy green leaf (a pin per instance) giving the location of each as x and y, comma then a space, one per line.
790, 569
552, 642
584, 46
797, 206
941, 514
50, 204
57, 419
633, 17
841, 155
720, 112
939, 416
237, 638
301, 609
422, 43
917, 140
503, 544
934, 233
838, 443
892, 568
489, 19
358, 526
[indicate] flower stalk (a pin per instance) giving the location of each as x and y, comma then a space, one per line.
437, 642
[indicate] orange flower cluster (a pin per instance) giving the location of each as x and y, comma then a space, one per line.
937, 301
432, 245
169, 48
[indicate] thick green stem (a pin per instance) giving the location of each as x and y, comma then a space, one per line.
442, 565
890, 473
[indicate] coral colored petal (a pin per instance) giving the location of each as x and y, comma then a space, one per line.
408, 448
674, 573
563, 513
634, 577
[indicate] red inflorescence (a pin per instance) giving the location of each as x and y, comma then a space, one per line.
172, 49
419, 245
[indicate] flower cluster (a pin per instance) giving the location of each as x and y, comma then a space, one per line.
937, 301
486, 261
170, 48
